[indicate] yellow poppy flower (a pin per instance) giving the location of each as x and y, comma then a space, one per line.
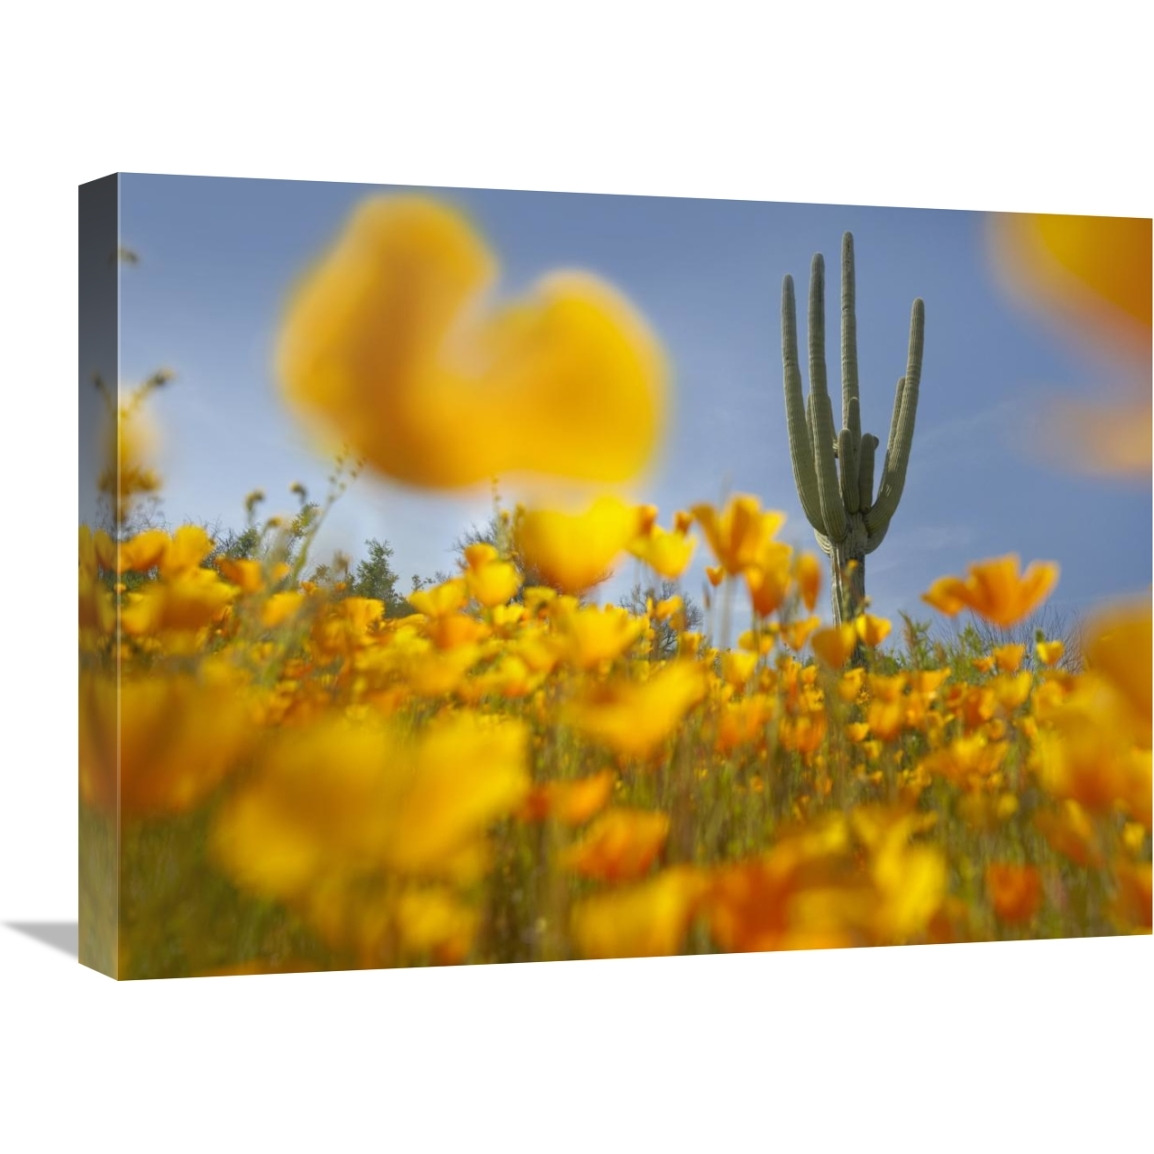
145, 551
386, 344
1008, 658
872, 630
739, 533
189, 546
442, 599
190, 602
248, 576
796, 633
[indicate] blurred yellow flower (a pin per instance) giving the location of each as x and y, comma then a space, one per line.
588, 637
633, 718
1008, 658
574, 552
491, 582
798, 895
432, 922
1132, 907
769, 580
570, 802
167, 741
1015, 891
247, 576
796, 633
337, 800
1082, 756
737, 667
131, 444
872, 630
385, 341
1118, 648
1070, 832
191, 601
807, 572
440, 600
281, 607
1092, 274
742, 722
143, 552
835, 644
646, 920
667, 554
620, 845
189, 546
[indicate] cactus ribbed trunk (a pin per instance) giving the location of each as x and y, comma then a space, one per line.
848, 585
834, 469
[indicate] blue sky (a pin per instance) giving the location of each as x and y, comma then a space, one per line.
217, 257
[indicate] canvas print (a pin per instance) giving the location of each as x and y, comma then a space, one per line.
474, 576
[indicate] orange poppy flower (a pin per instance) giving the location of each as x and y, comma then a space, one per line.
1015, 892
620, 845
995, 590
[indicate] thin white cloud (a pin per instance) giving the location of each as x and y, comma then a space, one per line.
1005, 422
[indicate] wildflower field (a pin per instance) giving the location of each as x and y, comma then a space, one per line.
278, 773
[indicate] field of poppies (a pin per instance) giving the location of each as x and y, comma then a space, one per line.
279, 775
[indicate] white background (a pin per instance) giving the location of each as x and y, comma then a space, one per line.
1043, 1045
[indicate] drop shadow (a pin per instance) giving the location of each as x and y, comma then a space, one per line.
63, 936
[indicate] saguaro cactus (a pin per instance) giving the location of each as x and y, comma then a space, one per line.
848, 520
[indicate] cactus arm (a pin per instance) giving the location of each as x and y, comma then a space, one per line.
873, 540
850, 394
829, 488
799, 427
850, 486
869, 444
894, 476
832, 510
895, 418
